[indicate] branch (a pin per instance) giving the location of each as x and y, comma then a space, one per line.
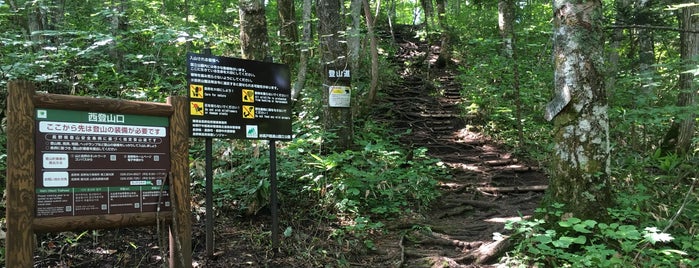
652, 27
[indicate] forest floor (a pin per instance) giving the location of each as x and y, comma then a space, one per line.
488, 185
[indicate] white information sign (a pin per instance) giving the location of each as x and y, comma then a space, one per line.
339, 96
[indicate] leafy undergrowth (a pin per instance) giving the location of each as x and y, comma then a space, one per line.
653, 225
332, 206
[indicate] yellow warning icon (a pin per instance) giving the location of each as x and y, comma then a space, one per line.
248, 95
196, 108
248, 112
196, 91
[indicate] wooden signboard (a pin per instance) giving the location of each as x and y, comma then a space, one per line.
87, 163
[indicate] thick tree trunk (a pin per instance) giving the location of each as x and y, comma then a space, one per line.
580, 162
303, 61
289, 36
253, 30
333, 47
679, 137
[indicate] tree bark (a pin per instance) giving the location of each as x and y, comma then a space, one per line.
506, 13
679, 137
374, 56
303, 61
444, 48
506, 24
253, 30
353, 40
618, 35
289, 35
428, 8
580, 161
333, 47
119, 24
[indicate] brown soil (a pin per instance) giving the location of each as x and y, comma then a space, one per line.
488, 186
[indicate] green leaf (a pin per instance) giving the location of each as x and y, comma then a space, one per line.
543, 239
569, 222
565, 241
583, 227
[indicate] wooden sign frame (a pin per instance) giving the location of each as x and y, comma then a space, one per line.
21, 220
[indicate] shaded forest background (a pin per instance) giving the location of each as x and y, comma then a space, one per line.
136, 50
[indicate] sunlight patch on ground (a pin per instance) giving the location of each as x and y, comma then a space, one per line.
466, 135
506, 219
451, 185
470, 167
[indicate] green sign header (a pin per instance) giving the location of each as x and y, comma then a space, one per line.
99, 118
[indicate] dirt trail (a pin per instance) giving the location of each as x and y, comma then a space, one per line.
489, 185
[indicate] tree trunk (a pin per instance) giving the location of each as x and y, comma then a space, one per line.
679, 137
506, 24
119, 24
374, 56
646, 48
617, 36
429, 12
303, 61
35, 22
337, 120
353, 40
289, 36
444, 48
391, 16
506, 13
253, 30
580, 162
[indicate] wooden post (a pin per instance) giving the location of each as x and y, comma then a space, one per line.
19, 245
181, 227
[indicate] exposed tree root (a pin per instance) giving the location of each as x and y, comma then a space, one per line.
516, 189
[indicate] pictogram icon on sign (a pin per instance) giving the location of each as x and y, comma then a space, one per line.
196, 91
248, 95
196, 108
248, 112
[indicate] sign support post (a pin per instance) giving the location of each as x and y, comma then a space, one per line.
273, 203
239, 99
209, 197
20, 246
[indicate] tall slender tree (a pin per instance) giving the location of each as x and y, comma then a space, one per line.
580, 163
373, 47
506, 24
506, 14
679, 137
333, 48
306, 37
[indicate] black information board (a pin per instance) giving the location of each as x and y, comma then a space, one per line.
238, 99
